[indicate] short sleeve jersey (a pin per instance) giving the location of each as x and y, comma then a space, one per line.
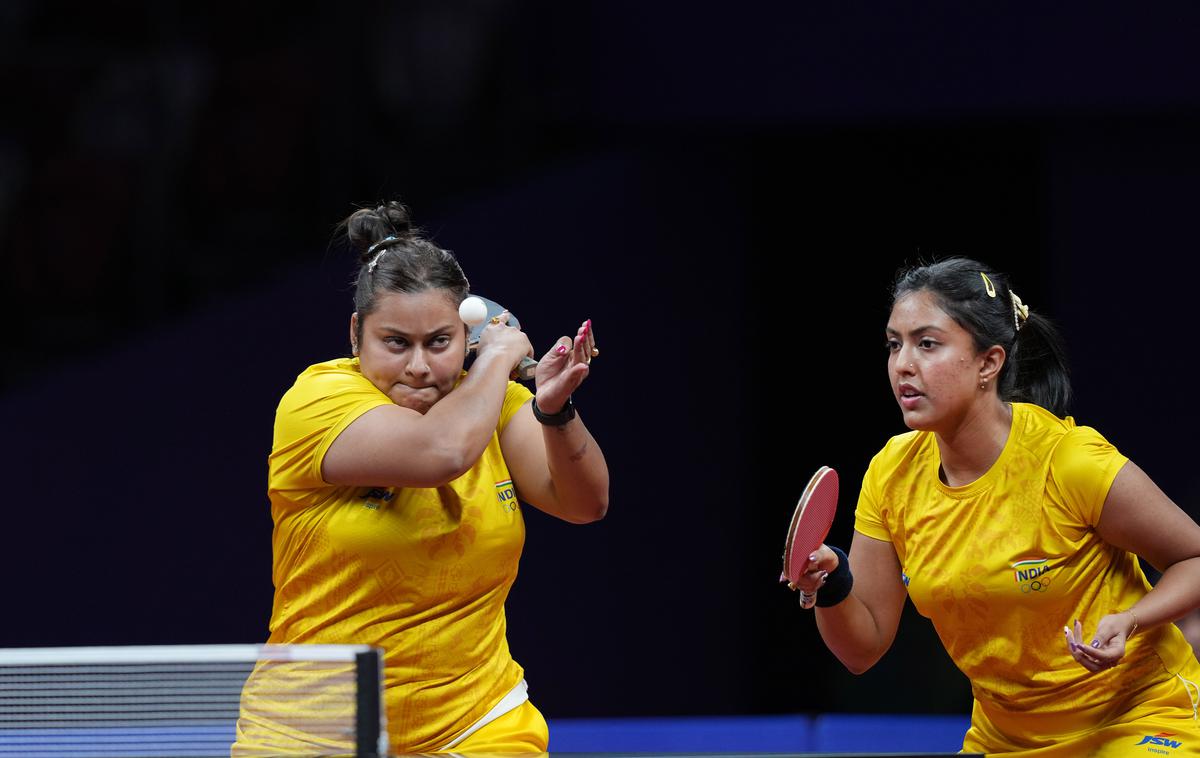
1001, 564
422, 573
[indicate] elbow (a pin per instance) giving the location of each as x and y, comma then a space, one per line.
592, 512
859, 665
599, 509
589, 511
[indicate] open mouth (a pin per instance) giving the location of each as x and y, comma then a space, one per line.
909, 395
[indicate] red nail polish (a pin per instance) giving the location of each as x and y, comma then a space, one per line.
561, 349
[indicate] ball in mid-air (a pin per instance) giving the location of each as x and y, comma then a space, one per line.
472, 311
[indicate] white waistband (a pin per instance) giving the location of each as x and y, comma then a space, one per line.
517, 695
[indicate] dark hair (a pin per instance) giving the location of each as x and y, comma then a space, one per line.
981, 301
395, 257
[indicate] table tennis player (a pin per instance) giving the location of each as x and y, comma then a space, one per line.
1016, 531
394, 481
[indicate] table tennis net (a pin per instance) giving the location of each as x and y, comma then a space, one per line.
200, 700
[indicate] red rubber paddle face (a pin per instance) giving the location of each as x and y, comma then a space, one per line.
810, 522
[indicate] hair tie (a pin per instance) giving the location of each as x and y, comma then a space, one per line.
987, 285
375, 256
1020, 310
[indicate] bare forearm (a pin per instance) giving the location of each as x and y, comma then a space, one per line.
860, 629
851, 633
462, 423
1176, 594
578, 471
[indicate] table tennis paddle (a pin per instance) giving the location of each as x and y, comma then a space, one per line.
478, 320
810, 525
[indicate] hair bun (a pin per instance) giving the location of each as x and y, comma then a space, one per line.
368, 226
397, 216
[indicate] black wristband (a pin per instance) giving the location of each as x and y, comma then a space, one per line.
838, 584
554, 419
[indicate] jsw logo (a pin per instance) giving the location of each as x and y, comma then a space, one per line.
1161, 739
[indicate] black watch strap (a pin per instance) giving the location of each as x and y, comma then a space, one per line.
554, 419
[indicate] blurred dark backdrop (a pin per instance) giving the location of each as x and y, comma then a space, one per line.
726, 190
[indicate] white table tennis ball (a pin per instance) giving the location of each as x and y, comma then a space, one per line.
472, 311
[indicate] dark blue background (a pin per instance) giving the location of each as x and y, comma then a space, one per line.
726, 190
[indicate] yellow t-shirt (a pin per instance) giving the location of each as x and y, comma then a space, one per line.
422, 573
1002, 564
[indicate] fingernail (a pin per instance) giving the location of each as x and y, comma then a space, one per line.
1095, 643
561, 349
812, 557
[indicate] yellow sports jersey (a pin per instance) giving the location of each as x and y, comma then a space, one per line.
421, 573
1002, 564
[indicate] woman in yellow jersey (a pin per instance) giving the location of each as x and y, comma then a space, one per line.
1017, 533
395, 480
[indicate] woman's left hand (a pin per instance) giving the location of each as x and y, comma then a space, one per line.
562, 369
1107, 647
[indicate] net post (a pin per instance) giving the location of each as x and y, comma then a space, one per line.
368, 737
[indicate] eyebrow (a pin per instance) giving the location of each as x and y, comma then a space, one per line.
918, 330
447, 329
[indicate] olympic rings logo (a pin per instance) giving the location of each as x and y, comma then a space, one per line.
1030, 575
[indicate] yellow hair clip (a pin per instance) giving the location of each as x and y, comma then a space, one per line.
987, 285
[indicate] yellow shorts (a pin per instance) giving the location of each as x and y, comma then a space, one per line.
521, 730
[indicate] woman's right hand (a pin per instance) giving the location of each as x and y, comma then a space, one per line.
498, 338
821, 564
